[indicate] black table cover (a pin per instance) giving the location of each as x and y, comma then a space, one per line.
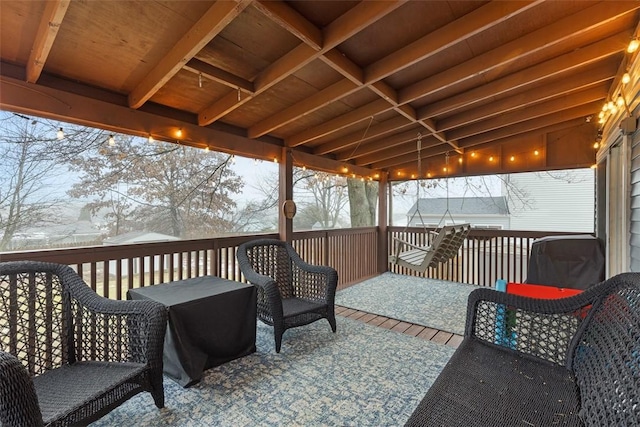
566, 261
211, 321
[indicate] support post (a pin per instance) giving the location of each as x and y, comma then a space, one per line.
384, 194
285, 192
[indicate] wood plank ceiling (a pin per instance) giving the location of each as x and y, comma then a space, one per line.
348, 86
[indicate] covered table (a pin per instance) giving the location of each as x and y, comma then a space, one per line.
566, 261
211, 321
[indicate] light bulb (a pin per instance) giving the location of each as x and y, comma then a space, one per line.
620, 101
536, 153
179, 133
491, 158
633, 45
626, 78
512, 158
150, 139
460, 160
112, 140
60, 133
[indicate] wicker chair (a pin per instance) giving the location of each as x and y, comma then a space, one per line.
524, 361
71, 356
291, 292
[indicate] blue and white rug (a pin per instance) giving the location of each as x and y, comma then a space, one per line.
438, 304
360, 376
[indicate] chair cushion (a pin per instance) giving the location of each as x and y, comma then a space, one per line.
67, 388
295, 306
485, 386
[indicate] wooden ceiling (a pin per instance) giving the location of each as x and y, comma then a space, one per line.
348, 86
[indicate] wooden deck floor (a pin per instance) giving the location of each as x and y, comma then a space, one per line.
419, 331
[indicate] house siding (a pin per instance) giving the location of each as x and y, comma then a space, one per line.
556, 205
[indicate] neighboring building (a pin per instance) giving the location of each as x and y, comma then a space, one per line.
544, 201
553, 201
139, 237
134, 237
480, 212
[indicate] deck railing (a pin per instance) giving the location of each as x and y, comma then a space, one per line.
111, 271
485, 256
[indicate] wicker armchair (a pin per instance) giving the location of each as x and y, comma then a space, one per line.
524, 361
68, 355
291, 292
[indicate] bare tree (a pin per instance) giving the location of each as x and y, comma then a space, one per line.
29, 175
162, 187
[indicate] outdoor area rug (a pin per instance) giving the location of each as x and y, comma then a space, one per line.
360, 376
438, 304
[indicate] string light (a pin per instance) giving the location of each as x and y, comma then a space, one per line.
473, 154
536, 153
150, 139
512, 158
491, 158
633, 45
626, 78
60, 134
179, 133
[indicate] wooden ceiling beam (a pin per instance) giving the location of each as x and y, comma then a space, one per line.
411, 164
221, 76
355, 20
54, 12
556, 66
358, 137
275, 73
214, 20
581, 111
445, 37
487, 15
571, 123
394, 146
409, 157
602, 73
335, 33
380, 144
543, 38
338, 123
289, 19
306, 106
587, 96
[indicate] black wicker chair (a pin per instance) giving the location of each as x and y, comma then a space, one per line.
524, 361
291, 292
68, 355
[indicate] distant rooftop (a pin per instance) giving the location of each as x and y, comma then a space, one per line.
462, 206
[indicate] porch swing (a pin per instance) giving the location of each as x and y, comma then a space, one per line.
446, 241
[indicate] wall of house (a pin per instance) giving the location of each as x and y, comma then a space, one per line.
554, 201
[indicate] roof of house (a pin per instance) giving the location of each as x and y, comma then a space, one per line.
462, 206
139, 237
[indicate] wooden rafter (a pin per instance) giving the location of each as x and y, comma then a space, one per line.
50, 22
338, 31
208, 26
